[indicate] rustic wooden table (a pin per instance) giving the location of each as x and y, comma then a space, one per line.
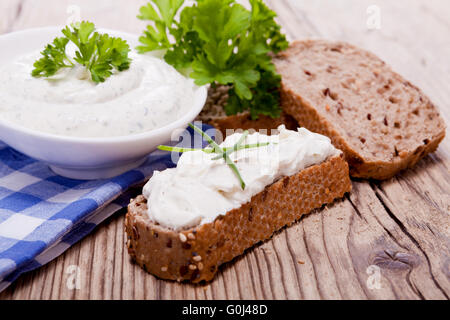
388, 240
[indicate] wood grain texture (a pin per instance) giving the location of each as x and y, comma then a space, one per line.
399, 227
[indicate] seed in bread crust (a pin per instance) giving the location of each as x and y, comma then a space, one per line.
183, 237
200, 266
339, 108
197, 258
191, 236
135, 233
192, 266
163, 269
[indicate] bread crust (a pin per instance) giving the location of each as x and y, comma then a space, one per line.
308, 117
213, 113
244, 121
322, 118
194, 255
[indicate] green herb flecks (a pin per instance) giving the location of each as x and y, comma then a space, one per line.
99, 53
222, 153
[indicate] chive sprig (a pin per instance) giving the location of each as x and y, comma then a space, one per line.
222, 153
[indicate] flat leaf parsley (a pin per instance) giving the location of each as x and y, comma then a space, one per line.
100, 54
220, 42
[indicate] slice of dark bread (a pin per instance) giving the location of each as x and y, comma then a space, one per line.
214, 114
196, 254
381, 121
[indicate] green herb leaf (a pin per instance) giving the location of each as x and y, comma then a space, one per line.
205, 136
221, 42
223, 153
235, 147
219, 150
176, 149
156, 37
54, 58
99, 54
210, 150
266, 94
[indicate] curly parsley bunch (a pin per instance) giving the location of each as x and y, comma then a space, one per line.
100, 54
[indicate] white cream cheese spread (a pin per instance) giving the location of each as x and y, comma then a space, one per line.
149, 95
200, 189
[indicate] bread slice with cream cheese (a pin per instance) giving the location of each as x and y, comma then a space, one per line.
195, 252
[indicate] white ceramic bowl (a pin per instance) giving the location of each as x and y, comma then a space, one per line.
83, 158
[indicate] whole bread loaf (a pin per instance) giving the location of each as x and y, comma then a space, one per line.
195, 254
381, 122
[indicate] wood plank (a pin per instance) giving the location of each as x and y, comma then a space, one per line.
343, 28
398, 227
389, 248
10, 10
105, 13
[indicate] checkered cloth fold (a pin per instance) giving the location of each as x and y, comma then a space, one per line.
43, 214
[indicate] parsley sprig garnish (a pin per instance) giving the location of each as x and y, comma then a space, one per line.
222, 153
221, 42
99, 53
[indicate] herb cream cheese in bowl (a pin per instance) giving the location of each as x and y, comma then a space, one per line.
84, 129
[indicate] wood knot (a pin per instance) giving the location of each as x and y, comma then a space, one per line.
394, 260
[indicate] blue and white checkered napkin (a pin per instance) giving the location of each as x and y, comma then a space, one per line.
43, 214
